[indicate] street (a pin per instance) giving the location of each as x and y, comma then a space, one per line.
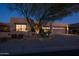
56, 43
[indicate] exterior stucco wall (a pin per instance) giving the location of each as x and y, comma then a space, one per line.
56, 28
15, 21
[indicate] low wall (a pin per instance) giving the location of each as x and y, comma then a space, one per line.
19, 35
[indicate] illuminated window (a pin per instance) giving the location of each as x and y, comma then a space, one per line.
21, 27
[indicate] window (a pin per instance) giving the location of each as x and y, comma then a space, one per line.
21, 27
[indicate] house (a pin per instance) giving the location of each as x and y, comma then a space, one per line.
22, 25
19, 24
4, 27
74, 28
19, 27
56, 28
4, 30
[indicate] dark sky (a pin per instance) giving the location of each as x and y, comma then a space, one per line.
6, 14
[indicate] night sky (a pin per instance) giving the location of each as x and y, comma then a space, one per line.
6, 14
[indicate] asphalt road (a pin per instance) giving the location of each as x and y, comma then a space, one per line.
27, 47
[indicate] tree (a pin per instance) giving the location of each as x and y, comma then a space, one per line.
43, 12
30, 10
59, 11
